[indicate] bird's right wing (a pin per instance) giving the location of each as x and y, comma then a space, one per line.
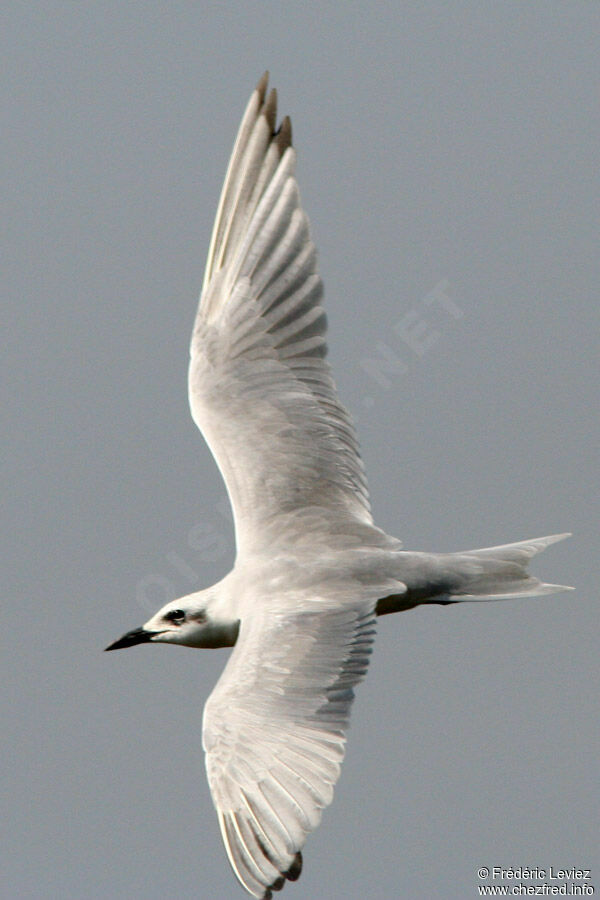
275, 731
260, 389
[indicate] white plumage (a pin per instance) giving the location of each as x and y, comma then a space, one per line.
312, 570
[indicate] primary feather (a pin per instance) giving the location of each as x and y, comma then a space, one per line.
312, 570
260, 389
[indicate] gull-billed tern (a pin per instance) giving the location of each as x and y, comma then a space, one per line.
312, 571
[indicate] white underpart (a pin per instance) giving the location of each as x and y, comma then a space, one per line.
310, 563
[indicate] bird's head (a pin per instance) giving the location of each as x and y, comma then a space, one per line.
190, 621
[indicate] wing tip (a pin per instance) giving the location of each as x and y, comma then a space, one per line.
283, 135
261, 86
292, 874
295, 870
269, 109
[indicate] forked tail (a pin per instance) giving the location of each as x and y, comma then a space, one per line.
495, 573
492, 573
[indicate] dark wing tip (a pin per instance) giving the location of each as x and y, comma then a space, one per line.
261, 87
293, 873
270, 109
283, 136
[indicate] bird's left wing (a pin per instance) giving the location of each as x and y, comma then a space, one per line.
275, 730
260, 389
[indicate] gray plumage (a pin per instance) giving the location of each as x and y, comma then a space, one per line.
312, 570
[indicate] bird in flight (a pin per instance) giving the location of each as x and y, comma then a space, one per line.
312, 571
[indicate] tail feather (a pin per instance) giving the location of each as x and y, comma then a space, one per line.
495, 573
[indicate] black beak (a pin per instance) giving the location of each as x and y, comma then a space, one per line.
137, 636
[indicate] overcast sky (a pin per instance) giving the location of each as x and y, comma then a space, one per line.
444, 151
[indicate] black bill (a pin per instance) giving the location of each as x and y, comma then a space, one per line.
137, 636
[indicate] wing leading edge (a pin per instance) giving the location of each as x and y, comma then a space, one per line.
260, 389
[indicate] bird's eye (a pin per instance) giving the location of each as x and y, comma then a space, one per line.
177, 616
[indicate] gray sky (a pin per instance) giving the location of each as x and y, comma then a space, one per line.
441, 146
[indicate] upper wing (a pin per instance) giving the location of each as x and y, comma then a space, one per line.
274, 733
260, 390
